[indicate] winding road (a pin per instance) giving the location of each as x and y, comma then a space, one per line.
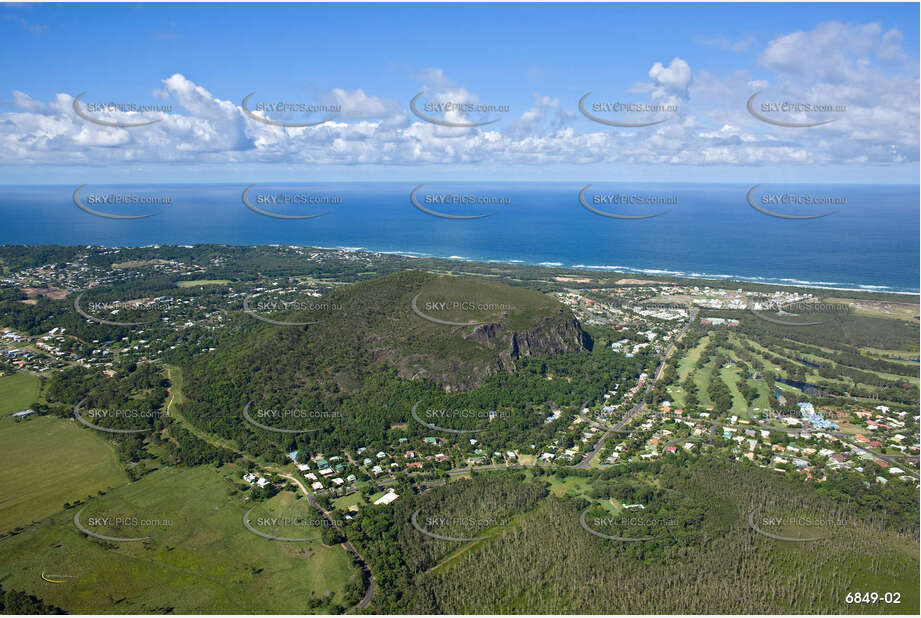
369, 577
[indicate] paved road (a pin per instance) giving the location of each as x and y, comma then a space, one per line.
369, 593
891, 460
587, 460
680, 441
843, 437
671, 346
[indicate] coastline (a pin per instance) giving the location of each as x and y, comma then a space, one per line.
653, 272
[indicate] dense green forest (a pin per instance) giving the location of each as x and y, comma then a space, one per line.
544, 562
19, 603
339, 379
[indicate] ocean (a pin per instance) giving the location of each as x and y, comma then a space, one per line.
870, 242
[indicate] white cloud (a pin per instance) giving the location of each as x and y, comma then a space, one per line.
833, 52
672, 80
24, 101
548, 114
434, 78
713, 127
358, 104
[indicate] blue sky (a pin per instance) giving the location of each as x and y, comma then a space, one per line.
537, 59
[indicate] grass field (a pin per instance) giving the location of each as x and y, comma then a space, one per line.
569, 485
18, 392
48, 461
487, 301
202, 561
730, 376
702, 378
764, 398
353, 499
375, 496
818, 357
764, 395
177, 398
138, 263
287, 515
685, 367
194, 282
894, 355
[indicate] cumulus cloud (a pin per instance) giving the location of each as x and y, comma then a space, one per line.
357, 104
880, 126
25, 102
672, 80
861, 68
833, 52
434, 78
548, 114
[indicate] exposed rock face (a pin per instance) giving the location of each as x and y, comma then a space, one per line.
554, 335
